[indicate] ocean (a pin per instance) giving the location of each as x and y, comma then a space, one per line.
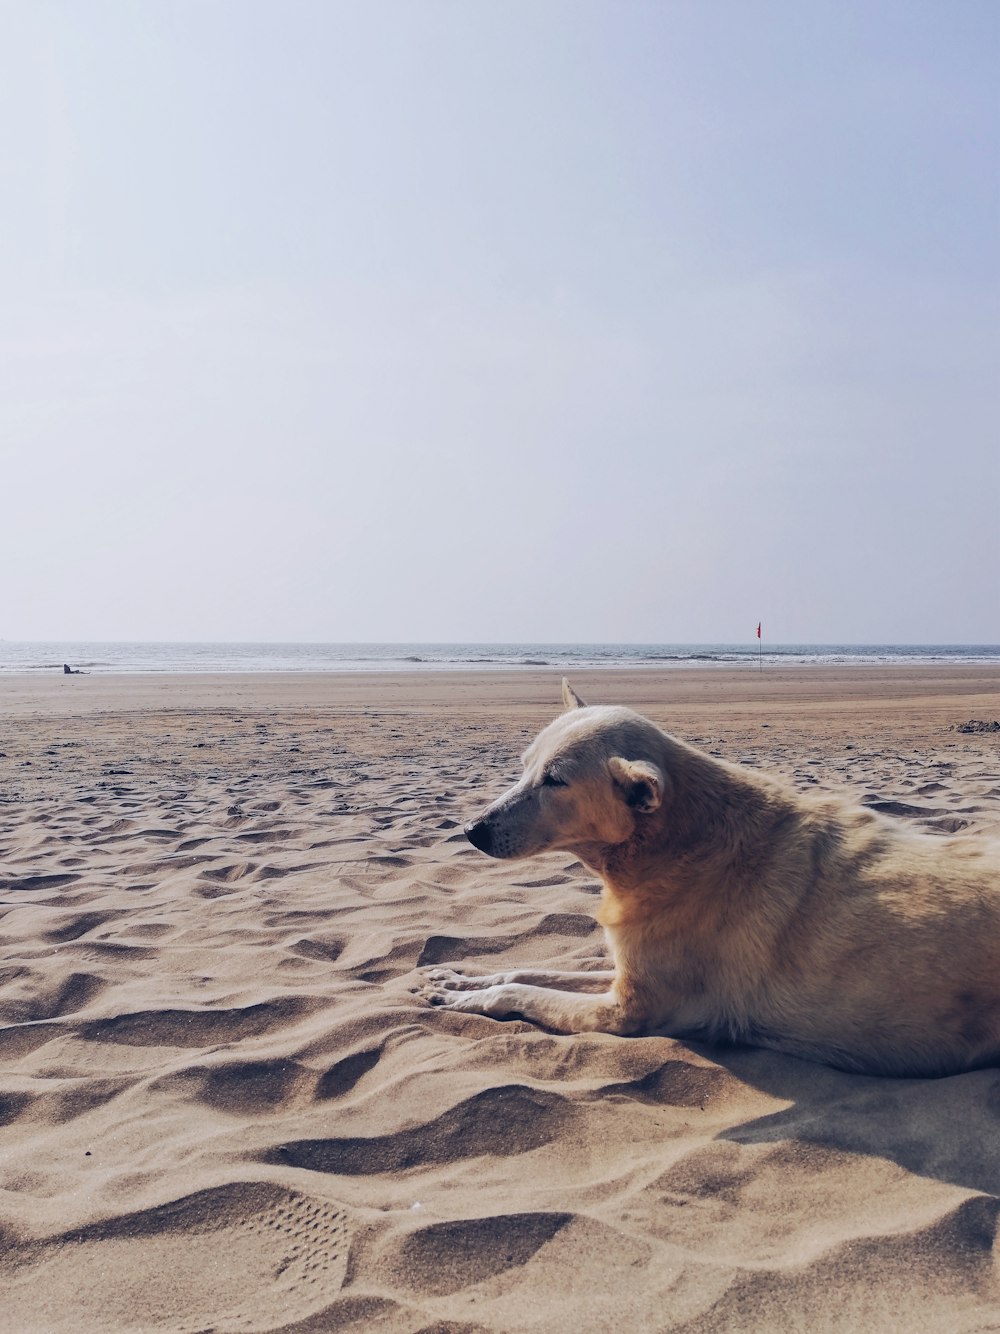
36, 658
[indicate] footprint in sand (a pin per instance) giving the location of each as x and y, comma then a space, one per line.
286, 1259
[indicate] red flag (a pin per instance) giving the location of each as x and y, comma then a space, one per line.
758, 629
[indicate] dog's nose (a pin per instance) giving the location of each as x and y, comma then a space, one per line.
480, 835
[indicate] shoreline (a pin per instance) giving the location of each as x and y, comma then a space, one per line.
531, 677
908, 701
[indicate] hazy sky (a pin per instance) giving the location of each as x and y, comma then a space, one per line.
526, 319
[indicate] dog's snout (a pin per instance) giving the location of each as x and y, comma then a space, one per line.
480, 835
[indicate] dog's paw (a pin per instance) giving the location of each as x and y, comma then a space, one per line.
497, 1001
441, 986
453, 979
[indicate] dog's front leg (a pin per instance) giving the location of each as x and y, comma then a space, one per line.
456, 979
558, 1011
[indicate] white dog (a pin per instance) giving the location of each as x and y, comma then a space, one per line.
738, 909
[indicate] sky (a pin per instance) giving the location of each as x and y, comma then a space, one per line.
541, 320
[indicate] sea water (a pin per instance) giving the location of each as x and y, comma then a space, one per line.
37, 658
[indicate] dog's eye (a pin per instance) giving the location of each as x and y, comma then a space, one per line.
550, 780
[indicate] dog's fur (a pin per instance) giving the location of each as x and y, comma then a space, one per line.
738, 909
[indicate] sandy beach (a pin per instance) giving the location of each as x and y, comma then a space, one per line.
223, 1107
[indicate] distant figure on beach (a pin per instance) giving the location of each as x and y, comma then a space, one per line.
68, 670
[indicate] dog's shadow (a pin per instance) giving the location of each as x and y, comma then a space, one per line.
947, 1129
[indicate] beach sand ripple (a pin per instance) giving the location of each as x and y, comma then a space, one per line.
222, 1105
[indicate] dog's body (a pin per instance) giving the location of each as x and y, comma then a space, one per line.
737, 909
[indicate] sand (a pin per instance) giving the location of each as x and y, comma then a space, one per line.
222, 1106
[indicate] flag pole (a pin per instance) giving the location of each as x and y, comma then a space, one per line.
760, 661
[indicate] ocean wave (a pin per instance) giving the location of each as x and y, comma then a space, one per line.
146, 658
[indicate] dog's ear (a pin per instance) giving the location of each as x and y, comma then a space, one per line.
640, 783
570, 698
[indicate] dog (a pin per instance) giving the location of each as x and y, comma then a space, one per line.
739, 910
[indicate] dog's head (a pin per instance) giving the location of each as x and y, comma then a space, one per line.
589, 779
